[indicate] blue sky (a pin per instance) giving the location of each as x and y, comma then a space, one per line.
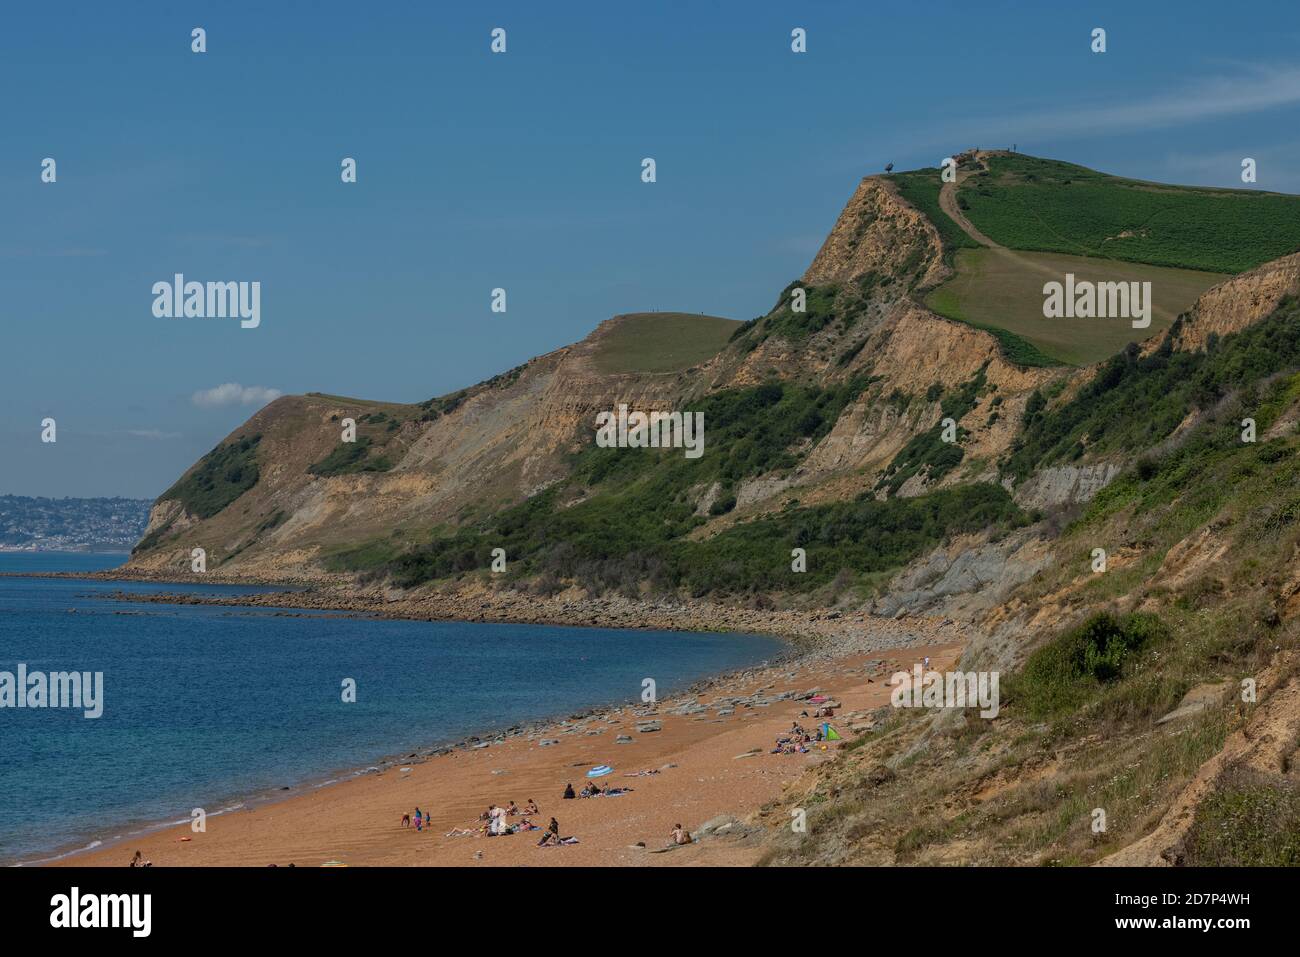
519, 170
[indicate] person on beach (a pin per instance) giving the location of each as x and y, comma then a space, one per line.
680, 835
139, 861
568, 792
531, 807
406, 820
513, 809
552, 835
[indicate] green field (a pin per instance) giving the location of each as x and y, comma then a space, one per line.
1044, 205
1002, 289
662, 341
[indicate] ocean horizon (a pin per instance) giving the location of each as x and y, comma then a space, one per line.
211, 707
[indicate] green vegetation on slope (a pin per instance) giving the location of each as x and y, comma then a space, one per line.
635, 509
1247, 822
1134, 402
920, 187
220, 477
662, 341
1064, 673
1045, 205
349, 457
927, 451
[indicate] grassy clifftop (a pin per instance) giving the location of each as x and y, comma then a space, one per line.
1024, 202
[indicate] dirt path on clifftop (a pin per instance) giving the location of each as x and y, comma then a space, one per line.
948, 203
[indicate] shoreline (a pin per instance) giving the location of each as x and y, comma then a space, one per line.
818, 646
240, 801
691, 764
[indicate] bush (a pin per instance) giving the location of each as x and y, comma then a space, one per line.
1071, 668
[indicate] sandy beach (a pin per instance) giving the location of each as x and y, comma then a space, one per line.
710, 761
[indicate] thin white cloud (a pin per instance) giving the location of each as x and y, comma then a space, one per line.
232, 393
1255, 89
156, 435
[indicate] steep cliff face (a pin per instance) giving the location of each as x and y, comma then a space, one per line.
496, 444
1238, 302
878, 232
459, 458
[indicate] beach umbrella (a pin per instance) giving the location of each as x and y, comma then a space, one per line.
599, 771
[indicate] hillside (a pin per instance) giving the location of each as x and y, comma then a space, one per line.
825, 431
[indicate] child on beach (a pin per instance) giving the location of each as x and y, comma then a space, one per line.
139, 861
531, 807
680, 835
406, 820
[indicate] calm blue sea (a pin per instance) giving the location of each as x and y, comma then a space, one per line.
206, 706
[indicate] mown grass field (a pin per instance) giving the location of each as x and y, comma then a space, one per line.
1044, 205
662, 341
1004, 290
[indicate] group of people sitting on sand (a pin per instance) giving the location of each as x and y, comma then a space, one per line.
496, 819
822, 712
591, 789
797, 740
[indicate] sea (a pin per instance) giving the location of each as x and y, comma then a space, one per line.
215, 707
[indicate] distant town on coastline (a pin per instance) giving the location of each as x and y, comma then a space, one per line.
71, 524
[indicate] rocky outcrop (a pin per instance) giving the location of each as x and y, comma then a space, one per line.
876, 232
965, 577
1236, 303
1062, 485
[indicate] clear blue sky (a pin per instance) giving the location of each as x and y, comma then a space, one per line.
519, 170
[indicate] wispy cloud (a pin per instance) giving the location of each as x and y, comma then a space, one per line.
156, 435
1253, 89
15, 252
232, 393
